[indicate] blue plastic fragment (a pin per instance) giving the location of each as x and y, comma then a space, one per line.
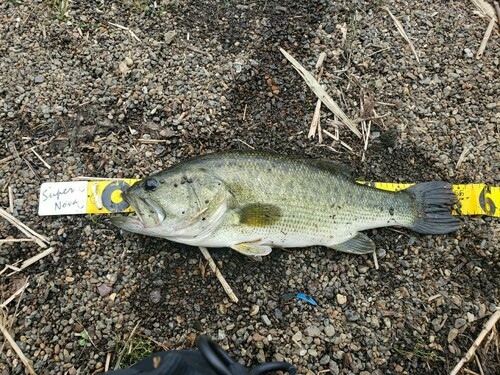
302, 296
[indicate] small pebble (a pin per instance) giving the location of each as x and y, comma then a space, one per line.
266, 320
104, 290
341, 299
155, 296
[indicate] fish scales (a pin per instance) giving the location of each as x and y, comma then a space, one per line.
253, 201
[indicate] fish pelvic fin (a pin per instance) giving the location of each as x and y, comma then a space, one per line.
434, 202
252, 249
359, 244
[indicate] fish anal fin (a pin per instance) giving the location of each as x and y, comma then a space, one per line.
259, 214
252, 249
359, 244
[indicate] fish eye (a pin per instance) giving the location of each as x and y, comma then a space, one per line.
150, 184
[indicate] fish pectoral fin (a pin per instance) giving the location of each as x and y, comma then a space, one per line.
259, 214
359, 244
252, 249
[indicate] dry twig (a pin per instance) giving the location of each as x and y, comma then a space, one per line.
221, 278
472, 351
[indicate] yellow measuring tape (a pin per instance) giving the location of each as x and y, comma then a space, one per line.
104, 197
474, 199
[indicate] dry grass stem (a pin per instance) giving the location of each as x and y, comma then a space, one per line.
366, 133
11, 157
497, 10
315, 123
197, 50
490, 324
10, 267
315, 120
40, 158
375, 260
486, 37
41, 241
401, 30
108, 361
10, 240
380, 117
246, 144
122, 352
126, 29
245, 112
16, 293
479, 364
464, 153
336, 136
470, 372
320, 92
151, 141
34, 259
31, 168
15, 347
485, 8
11, 200
218, 274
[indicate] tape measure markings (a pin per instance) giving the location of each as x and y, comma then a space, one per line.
103, 197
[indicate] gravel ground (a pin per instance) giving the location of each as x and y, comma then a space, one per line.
204, 76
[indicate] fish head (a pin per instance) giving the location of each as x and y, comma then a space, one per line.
172, 204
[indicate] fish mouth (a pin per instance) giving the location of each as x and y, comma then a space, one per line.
146, 209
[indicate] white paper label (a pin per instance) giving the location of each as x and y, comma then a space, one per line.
63, 198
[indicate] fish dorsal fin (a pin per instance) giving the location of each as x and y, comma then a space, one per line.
359, 244
259, 214
332, 167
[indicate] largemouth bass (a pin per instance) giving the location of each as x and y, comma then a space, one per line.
253, 201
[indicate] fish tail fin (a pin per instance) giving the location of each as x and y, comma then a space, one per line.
434, 202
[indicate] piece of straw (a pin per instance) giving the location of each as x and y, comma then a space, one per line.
218, 274
16, 293
41, 241
486, 37
402, 31
16, 347
321, 93
470, 353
